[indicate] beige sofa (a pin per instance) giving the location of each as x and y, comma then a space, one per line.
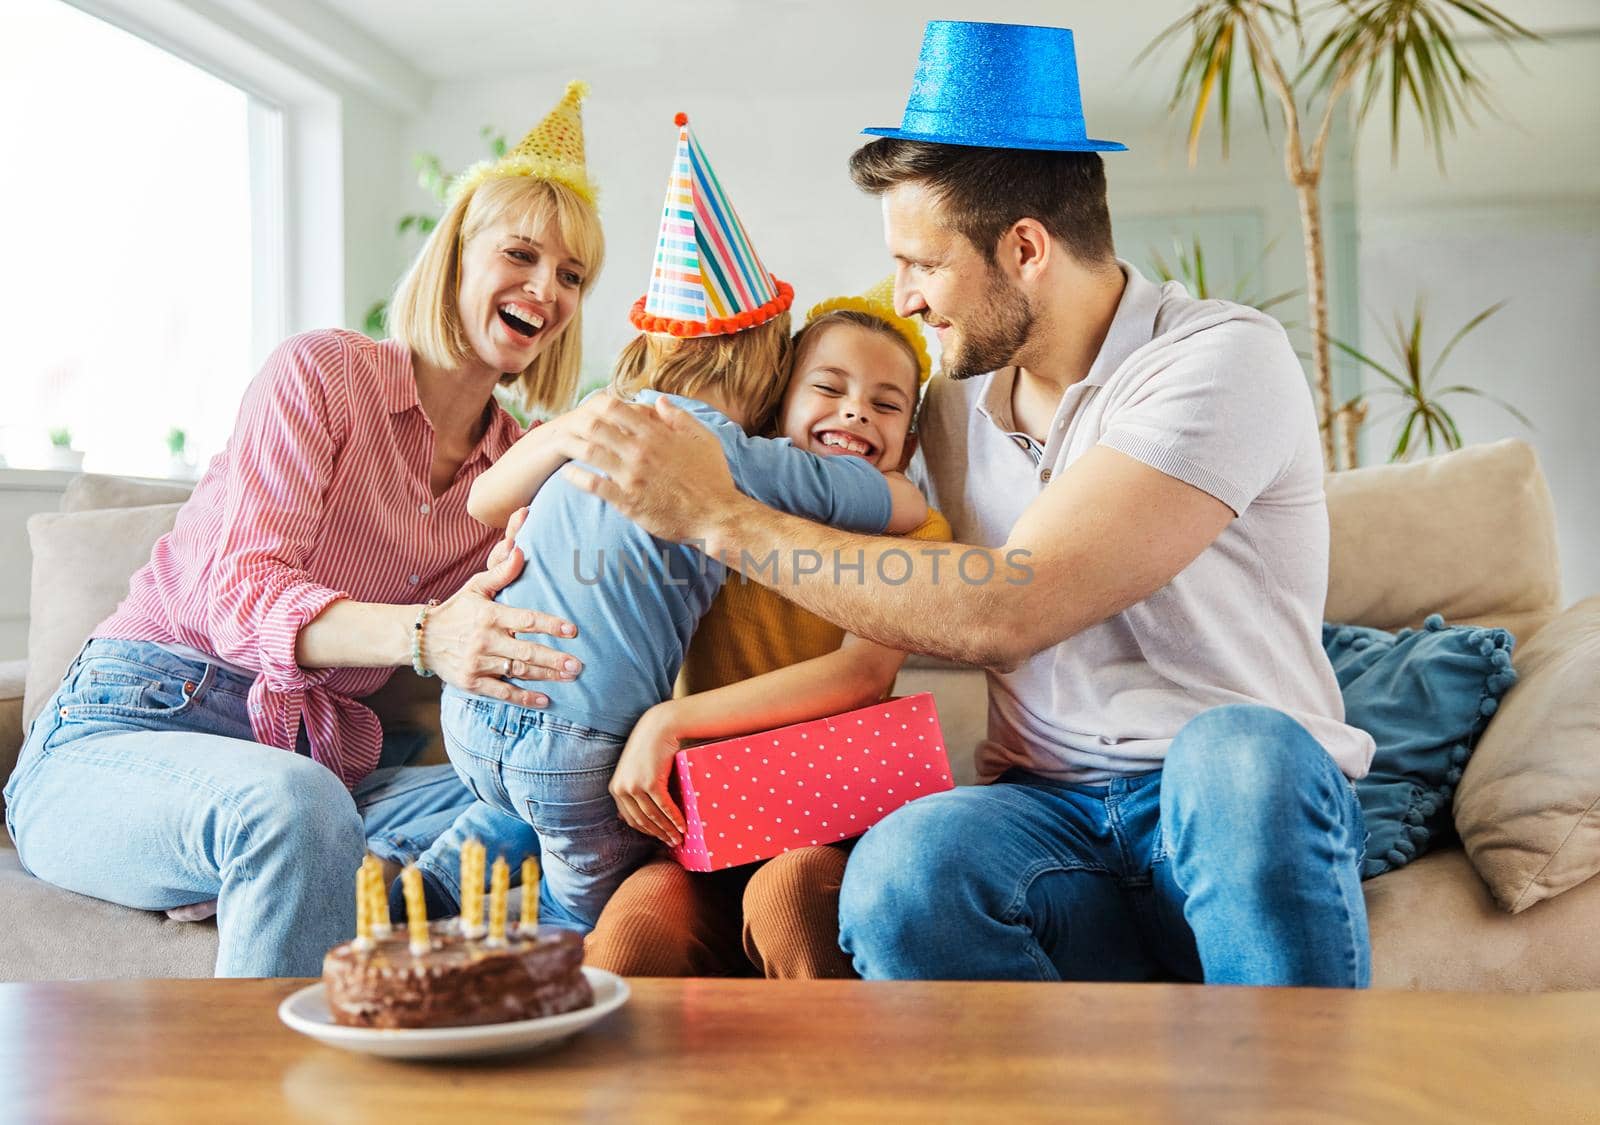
1469, 535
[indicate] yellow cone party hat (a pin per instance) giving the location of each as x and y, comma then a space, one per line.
879, 302
552, 150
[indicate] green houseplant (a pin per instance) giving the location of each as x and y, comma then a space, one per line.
178, 464
433, 179
1190, 269
1425, 419
1393, 53
62, 455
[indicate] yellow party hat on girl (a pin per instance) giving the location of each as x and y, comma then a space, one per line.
552, 150
879, 302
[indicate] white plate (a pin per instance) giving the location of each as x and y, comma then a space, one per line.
307, 1012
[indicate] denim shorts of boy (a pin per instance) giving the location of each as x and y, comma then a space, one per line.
636, 601
553, 775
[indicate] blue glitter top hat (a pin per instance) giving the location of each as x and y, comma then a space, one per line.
997, 85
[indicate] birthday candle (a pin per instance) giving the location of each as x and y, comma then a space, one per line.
381, 926
416, 910
529, 924
472, 857
499, 890
363, 907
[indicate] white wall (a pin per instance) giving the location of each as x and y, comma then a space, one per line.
1516, 218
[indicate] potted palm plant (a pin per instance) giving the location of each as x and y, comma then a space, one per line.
1425, 420
1390, 53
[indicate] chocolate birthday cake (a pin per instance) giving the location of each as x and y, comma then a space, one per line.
458, 981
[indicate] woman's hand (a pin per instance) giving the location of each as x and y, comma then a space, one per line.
639, 783
471, 643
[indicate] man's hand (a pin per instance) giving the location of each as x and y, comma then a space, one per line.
663, 469
639, 783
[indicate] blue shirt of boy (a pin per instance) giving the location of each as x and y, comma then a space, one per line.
636, 599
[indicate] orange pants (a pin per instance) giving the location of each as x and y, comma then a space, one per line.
777, 919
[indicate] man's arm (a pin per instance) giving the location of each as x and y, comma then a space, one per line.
1106, 534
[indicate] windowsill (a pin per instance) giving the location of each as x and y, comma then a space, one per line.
35, 480
14, 478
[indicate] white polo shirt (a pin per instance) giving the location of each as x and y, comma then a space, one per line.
1208, 392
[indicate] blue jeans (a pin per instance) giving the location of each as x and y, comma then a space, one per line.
531, 768
140, 783
1236, 863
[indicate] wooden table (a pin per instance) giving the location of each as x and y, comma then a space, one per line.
722, 1052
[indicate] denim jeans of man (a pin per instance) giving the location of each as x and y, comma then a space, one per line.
1236, 863
529, 767
140, 783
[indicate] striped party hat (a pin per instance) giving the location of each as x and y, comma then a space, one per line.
707, 279
879, 302
552, 150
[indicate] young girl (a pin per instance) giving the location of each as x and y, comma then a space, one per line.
758, 662
715, 338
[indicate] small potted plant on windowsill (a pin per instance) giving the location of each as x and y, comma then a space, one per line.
179, 465
62, 455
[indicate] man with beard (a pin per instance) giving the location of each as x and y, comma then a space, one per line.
1134, 479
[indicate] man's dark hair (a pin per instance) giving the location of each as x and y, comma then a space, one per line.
983, 191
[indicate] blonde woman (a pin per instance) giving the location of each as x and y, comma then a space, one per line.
209, 741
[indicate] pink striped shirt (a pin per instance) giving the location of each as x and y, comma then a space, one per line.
322, 493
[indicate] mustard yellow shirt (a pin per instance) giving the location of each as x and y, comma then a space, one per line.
750, 630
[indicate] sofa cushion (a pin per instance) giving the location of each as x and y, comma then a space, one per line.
1469, 534
89, 491
82, 562
1424, 696
1528, 809
57, 935
1434, 926
13, 675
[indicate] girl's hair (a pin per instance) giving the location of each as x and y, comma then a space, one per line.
424, 314
806, 335
747, 367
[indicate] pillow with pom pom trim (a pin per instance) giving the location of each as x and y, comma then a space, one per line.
1425, 696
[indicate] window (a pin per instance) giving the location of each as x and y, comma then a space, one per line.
131, 287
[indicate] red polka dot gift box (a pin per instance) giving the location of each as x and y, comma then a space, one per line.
818, 782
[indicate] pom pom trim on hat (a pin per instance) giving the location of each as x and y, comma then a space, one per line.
680, 119
713, 325
906, 328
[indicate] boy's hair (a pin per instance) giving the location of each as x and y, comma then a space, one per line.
747, 367
424, 314
982, 192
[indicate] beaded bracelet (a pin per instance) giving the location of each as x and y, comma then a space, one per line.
417, 665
